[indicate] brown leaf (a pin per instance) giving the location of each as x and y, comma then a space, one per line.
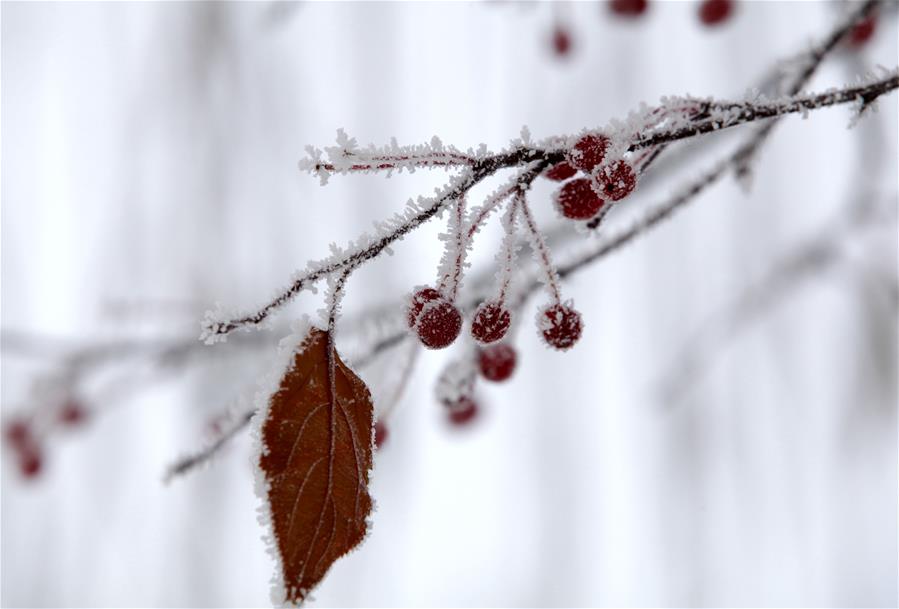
317, 452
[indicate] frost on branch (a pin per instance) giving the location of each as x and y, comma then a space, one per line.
347, 157
316, 452
638, 141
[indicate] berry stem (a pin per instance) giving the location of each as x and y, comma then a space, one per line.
508, 249
456, 249
541, 251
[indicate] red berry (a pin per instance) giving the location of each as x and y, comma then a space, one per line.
561, 41
560, 171
463, 412
30, 462
628, 8
577, 200
713, 12
420, 298
18, 433
862, 31
617, 180
589, 151
439, 324
72, 414
491, 322
560, 325
497, 362
381, 434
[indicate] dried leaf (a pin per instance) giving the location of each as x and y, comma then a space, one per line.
317, 452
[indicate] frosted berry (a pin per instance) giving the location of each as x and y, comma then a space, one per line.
420, 298
560, 171
561, 41
72, 414
30, 462
616, 180
628, 8
577, 200
588, 152
381, 434
490, 323
862, 31
497, 362
560, 325
463, 412
713, 12
438, 324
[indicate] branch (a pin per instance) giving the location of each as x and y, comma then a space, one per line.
739, 113
190, 462
370, 248
483, 167
814, 58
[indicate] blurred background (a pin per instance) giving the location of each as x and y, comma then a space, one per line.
716, 438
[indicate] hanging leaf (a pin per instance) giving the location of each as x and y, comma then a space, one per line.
317, 452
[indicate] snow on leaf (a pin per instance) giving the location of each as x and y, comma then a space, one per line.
316, 457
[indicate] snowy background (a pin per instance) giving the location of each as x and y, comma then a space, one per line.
149, 156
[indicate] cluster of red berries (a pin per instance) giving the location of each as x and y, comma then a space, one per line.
583, 198
496, 363
21, 438
438, 322
711, 13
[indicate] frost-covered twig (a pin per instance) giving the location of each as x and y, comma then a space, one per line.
368, 247
725, 115
812, 61
190, 462
347, 157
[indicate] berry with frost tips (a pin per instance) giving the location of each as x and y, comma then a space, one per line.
497, 362
560, 325
616, 180
420, 298
577, 200
589, 151
714, 12
463, 412
439, 324
491, 322
560, 171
